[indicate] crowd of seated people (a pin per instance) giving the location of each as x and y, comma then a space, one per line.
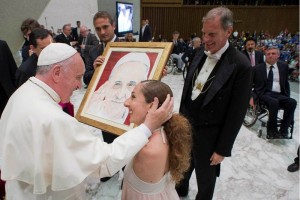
286, 42
242, 3
282, 54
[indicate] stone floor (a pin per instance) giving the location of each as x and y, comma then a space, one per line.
256, 170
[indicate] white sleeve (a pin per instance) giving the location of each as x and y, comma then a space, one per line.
122, 150
144, 129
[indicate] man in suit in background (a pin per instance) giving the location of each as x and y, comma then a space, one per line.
76, 31
145, 32
255, 57
8, 69
38, 40
189, 54
272, 87
86, 41
178, 50
105, 29
27, 26
65, 36
214, 99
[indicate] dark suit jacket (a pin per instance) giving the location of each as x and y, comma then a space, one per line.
91, 41
93, 54
260, 79
147, 36
25, 51
259, 56
61, 38
75, 35
178, 48
8, 69
217, 120
190, 54
26, 70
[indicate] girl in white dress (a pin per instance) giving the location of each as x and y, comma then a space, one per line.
154, 171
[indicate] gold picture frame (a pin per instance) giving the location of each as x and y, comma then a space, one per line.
101, 106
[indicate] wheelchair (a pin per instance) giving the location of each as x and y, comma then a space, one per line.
172, 66
260, 112
185, 71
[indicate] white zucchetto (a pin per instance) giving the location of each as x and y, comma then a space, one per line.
55, 53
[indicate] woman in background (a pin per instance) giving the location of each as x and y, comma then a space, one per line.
154, 171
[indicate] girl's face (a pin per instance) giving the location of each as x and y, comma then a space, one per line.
137, 105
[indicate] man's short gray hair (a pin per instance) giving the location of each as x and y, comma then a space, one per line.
196, 39
226, 16
273, 47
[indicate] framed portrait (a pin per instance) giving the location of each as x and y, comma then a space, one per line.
126, 64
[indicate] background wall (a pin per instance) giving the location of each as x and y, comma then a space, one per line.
165, 16
12, 13
187, 19
53, 13
58, 12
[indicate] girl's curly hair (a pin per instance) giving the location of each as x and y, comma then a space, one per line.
177, 129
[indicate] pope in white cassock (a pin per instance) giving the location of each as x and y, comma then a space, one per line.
47, 154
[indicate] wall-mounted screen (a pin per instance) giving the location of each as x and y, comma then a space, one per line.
124, 12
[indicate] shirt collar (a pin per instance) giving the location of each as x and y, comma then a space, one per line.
219, 53
268, 65
112, 40
46, 88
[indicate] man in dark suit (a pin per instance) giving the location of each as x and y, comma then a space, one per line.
65, 36
255, 57
86, 41
76, 31
145, 32
178, 50
214, 99
38, 40
27, 26
272, 87
189, 54
105, 27
8, 69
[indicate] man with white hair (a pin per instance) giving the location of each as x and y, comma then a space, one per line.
215, 98
108, 101
86, 42
189, 54
47, 154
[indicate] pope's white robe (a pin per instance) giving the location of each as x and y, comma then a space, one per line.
44, 152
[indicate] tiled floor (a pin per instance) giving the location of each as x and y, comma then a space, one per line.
256, 170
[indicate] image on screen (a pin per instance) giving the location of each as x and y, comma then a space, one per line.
124, 18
